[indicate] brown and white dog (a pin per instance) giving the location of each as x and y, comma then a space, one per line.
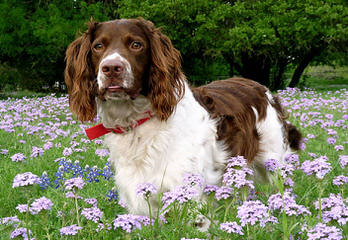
129, 73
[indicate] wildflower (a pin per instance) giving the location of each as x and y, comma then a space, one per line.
238, 177
293, 159
18, 157
22, 208
322, 231
319, 166
94, 214
102, 152
286, 203
112, 195
22, 232
40, 204
210, 188
181, 194
193, 179
4, 151
72, 195
25, 179
107, 173
47, 145
331, 140
67, 152
44, 181
231, 227
223, 192
128, 222
93, 173
334, 208
146, 189
340, 180
252, 212
36, 152
10, 220
271, 165
339, 148
69, 230
343, 160
92, 201
74, 183
238, 161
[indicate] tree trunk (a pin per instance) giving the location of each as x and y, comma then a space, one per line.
302, 66
257, 68
278, 82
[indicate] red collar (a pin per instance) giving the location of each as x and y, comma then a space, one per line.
99, 130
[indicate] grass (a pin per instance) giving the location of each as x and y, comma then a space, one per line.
33, 122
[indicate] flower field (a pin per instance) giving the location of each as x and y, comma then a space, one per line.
56, 184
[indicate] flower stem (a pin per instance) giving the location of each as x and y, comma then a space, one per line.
77, 212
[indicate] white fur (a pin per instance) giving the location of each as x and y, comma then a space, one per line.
162, 152
127, 74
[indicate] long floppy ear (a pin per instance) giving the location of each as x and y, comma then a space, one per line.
79, 76
166, 79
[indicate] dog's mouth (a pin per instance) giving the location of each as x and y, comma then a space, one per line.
114, 88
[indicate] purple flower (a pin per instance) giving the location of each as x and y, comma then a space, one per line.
334, 208
238, 161
340, 180
287, 204
231, 227
25, 179
129, 222
293, 159
22, 208
18, 157
223, 192
72, 195
146, 189
36, 152
9, 220
339, 148
331, 140
4, 151
322, 231
319, 166
47, 145
44, 181
102, 152
40, 204
94, 214
181, 194
252, 212
69, 230
210, 188
67, 152
193, 179
20, 232
112, 195
271, 165
343, 160
92, 201
74, 183
238, 178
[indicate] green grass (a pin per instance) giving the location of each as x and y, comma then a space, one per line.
47, 223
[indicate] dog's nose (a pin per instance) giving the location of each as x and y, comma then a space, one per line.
112, 68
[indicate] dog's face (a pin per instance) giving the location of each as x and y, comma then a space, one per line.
118, 60
120, 55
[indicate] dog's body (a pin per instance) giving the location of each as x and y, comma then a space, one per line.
192, 130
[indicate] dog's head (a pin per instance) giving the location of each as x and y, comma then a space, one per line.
120, 59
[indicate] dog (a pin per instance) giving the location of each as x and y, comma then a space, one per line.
156, 126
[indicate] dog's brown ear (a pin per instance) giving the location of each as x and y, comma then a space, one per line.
79, 76
166, 79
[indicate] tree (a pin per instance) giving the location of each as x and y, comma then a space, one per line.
258, 39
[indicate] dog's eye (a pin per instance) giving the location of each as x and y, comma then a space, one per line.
136, 45
98, 46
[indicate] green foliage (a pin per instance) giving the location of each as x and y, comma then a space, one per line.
256, 39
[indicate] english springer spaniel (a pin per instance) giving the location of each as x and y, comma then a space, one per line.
157, 127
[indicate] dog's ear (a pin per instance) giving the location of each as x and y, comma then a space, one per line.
166, 79
79, 75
